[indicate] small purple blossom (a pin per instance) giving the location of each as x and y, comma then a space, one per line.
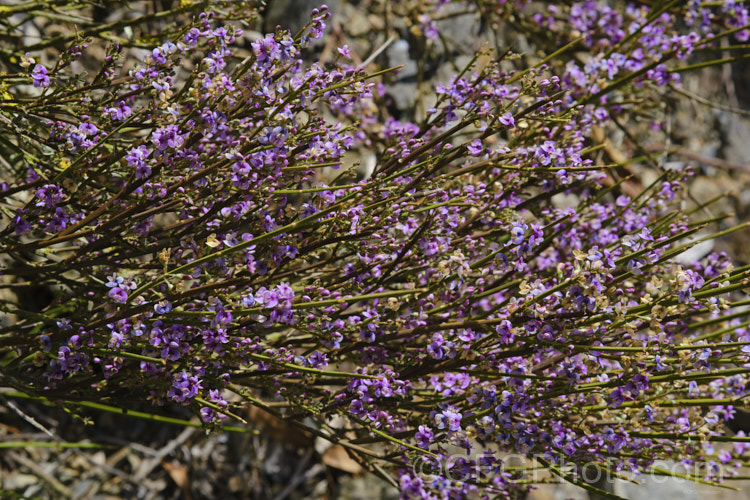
184, 387
120, 113
118, 295
507, 120
39, 76
448, 419
424, 436
482, 286
207, 415
345, 51
49, 196
167, 137
163, 307
475, 148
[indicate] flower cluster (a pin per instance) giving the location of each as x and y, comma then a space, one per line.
202, 247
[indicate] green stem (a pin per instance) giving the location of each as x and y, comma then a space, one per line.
46, 444
314, 371
124, 412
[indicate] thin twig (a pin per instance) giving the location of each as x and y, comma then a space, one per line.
708, 102
28, 418
377, 52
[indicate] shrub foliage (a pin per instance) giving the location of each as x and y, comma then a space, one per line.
209, 243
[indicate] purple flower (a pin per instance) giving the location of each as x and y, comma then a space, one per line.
424, 436
367, 334
356, 407
248, 300
318, 22
223, 317
45, 343
184, 387
39, 75
207, 414
87, 128
649, 413
167, 137
616, 397
507, 120
118, 295
20, 225
449, 419
115, 280
640, 382
504, 332
429, 27
162, 307
266, 298
266, 49
136, 157
711, 418
686, 282
475, 147
172, 350
741, 447
49, 195
518, 233
345, 51
120, 113
285, 295
191, 37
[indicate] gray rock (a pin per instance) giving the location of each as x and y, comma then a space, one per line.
404, 91
559, 491
293, 14
366, 487
355, 21
653, 486
737, 136
461, 28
